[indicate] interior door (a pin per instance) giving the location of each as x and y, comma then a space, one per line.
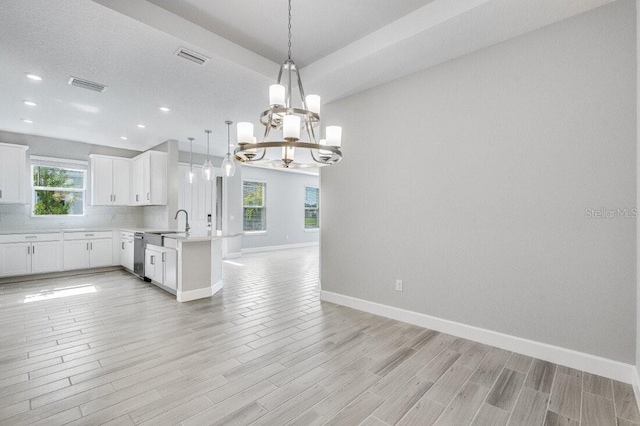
15, 259
45, 257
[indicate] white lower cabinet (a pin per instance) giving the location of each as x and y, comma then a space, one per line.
87, 250
126, 250
15, 259
161, 265
37, 257
45, 257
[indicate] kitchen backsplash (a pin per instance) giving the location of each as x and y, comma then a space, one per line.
18, 217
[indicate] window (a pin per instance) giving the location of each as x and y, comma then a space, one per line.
255, 215
58, 189
311, 207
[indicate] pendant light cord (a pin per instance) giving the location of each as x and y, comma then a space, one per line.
229, 123
289, 30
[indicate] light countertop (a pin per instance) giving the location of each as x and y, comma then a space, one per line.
194, 236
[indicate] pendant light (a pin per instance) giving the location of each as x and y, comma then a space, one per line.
207, 168
191, 176
228, 164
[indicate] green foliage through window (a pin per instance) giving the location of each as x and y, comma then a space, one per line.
311, 207
58, 191
253, 201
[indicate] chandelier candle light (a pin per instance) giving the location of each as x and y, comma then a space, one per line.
228, 164
292, 121
207, 168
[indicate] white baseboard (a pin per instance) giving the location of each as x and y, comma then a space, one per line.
600, 366
201, 293
636, 384
232, 255
280, 247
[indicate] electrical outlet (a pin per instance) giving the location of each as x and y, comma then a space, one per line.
398, 285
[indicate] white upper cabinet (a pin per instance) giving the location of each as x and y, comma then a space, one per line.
149, 171
110, 181
13, 173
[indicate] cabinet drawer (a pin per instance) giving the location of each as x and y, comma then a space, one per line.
87, 235
22, 238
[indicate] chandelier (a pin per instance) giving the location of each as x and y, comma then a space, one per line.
300, 146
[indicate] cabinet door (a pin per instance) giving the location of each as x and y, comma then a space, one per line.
76, 254
126, 253
121, 181
101, 253
101, 181
12, 175
45, 257
153, 265
15, 259
146, 178
170, 267
138, 195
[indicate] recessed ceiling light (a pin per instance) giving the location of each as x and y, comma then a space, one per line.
124, 138
142, 126
165, 109
30, 103
34, 77
27, 121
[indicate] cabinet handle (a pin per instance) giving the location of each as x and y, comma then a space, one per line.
91, 245
87, 246
123, 245
153, 260
148, 196
164, 257
28, 249
33, 249
137, 197
0, 193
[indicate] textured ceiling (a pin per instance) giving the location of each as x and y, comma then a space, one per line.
319, 27
130, 45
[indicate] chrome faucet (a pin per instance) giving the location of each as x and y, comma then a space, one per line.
187, 227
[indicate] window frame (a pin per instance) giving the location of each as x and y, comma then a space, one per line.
59, 163
304, 224
263, 206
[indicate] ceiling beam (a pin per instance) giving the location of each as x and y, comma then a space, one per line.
194, 36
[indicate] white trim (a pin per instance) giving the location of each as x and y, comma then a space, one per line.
60, 160
600, 366
280, 247
201, 293
232, 255
636, 384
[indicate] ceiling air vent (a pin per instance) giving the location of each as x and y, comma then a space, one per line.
192, 56
86, 84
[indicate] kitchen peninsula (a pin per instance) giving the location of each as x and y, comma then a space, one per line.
198, 264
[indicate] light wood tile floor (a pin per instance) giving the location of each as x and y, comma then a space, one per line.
110, 349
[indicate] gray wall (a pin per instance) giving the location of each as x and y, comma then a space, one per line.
285, 208
638, 191
470, 181
18, 217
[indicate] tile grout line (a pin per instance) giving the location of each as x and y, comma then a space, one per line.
553, 382
463, 385
521, 389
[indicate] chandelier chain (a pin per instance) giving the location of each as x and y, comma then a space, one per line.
289, 29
